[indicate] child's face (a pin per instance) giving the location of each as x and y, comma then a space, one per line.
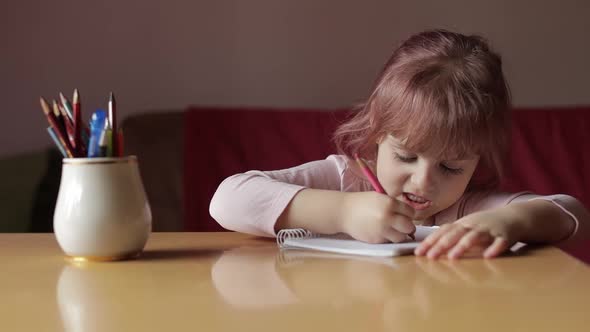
420, 180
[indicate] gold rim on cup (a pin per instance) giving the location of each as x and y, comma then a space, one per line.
100, 160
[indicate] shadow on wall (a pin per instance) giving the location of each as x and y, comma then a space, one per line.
30, 183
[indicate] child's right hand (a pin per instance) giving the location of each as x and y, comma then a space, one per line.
376, 218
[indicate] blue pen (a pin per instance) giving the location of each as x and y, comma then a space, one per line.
97, 123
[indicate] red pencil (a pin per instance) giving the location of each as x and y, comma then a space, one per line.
64, 115
121, 142
69, 129
61, 136
369, 175
67, 106
113, 123
61, 122
85, 129
78, 124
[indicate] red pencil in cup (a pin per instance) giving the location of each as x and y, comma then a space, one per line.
64, 115
112, 116
60, 120
67, 106
78, 125
373, 180
68, 128
85, 131
61, 136
120, 142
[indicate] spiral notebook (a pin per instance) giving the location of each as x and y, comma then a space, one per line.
343, 244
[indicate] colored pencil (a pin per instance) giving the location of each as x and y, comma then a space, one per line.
78, 124
67, 121
57, 142
68, 127
113, 122
64, 115
61, 122
85, 130
369, 175
120, 142
61, 136
67, 106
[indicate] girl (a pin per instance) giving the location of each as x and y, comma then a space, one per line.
435, 131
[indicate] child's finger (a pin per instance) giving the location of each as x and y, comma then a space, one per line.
403, 225
447, 241
404, 209
394, 236
470, 240
475, 251
430, 240
496, 248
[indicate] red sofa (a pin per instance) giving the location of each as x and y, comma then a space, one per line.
549, 151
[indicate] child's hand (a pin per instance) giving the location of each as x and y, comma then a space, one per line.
376, 218
486, 233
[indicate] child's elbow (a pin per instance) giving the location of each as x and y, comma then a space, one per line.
579, 215
219, 208
232, 206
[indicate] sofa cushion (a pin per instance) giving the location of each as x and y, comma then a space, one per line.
549, 152
157, 139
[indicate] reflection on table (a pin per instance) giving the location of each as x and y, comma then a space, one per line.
234, 282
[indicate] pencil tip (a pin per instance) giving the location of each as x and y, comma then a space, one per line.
44, 105
76, 97
55, 105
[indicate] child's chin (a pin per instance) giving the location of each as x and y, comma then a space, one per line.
423, 216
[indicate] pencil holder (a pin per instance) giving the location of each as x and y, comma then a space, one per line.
102, 212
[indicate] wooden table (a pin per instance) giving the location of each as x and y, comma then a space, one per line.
234, 282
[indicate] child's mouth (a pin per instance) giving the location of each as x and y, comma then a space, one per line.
416, 202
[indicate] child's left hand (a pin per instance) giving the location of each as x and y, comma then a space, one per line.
486, 233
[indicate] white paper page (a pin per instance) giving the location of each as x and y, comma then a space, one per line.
345, 245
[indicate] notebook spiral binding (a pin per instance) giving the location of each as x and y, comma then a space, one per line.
294, 233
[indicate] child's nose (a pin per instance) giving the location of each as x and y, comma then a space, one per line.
424, 179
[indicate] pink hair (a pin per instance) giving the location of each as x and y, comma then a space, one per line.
438, 88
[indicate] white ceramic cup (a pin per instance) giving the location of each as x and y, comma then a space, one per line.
102, 212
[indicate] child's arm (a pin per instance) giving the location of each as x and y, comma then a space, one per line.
262, 203
558, 219
252, 202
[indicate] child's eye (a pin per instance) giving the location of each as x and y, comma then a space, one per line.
450, 170
405, 159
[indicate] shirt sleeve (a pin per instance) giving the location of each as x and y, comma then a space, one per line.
574, 209
479, 201
252, 202
472, 202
